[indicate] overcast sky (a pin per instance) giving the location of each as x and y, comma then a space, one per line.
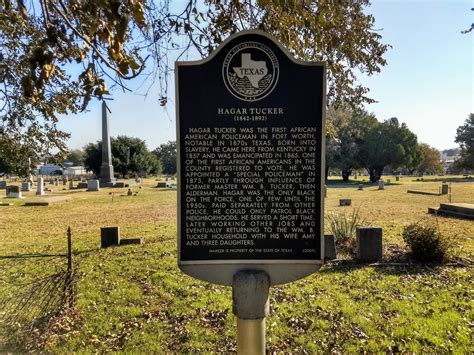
428, 82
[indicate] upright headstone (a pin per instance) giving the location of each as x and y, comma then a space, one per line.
369, 243
71, 185
329, 247
444, 189
381, 184
3, 185
163, 184
56, 182
109, 236
82, 185
40, 187
93, 185
397, 178
360, 187
106, 169
25, 186
13, 191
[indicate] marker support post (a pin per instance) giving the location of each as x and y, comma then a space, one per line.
250, 304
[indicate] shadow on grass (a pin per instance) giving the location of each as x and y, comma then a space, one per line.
29, 309
39, 255
390, 268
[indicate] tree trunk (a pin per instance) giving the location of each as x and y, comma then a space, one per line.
375, 174
346, 173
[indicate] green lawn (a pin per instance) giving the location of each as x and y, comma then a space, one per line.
134, 298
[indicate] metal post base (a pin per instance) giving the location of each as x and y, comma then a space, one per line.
251, 336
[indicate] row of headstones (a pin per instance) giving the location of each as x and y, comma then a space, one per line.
444, 187
368, 245
14, 191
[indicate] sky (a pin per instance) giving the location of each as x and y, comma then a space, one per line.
428, 82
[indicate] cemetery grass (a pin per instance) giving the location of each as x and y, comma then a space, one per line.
134, 298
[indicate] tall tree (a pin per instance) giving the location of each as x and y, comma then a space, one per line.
56, 55
431, 162
93, 157
129, 156
465, 138
351, 126
389, 144
167, 154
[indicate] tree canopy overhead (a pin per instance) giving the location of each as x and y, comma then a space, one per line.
58, 54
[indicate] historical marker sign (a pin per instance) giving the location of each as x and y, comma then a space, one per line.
251, 161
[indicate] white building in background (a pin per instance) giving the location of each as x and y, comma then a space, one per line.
74, 171
449, 156
50, 169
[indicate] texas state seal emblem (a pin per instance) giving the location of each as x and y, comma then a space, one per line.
250, 71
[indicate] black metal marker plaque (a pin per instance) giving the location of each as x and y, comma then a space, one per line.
251, 157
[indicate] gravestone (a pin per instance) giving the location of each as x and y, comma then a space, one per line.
345, 202
360, 187
13, 191
129, 192
82, 185
71, 185
397, 178
389, 181
51, 181
40, 187
444, 189
131, 241
56, 182
65, 182
93, 185
25, 186
369, 244
162, 184
3, 185
251, 152
109, 236
36, 204
381, 184
329, 247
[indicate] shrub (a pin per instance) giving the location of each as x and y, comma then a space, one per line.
343, 227
427, 243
